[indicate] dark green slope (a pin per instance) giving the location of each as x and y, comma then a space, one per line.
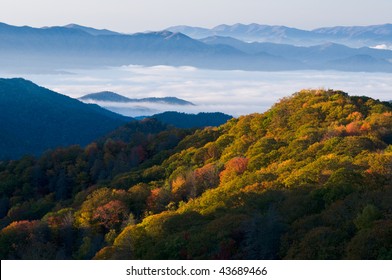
34, 119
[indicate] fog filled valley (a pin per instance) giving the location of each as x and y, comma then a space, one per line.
232, 92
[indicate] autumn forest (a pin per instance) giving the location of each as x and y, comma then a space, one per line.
311, 178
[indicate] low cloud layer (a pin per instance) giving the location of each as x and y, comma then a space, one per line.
232, 92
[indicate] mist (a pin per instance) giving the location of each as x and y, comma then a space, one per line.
232, 92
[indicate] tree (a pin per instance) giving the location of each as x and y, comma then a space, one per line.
233, 168
158, 200
110, 215
366, 218
103, 209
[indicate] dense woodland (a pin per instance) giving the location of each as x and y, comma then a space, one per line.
309, 179
34, 119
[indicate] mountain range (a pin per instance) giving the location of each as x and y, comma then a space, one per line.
325, 56
63, 47
353, 36
27, 49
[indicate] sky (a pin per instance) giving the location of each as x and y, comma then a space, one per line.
130, 16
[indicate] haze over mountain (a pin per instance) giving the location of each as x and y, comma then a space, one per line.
61, 47
107, 96
176, 119
73, 46
34, 119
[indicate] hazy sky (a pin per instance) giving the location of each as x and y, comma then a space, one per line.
141, 15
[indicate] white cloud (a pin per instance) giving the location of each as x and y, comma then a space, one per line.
382, 47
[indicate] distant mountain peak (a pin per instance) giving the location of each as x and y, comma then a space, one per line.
90, 30
177, 36
107, 96
221, 26
73, 25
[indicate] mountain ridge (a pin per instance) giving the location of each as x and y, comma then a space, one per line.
52, 48
313, 56
357, 36
35, 119
92, 31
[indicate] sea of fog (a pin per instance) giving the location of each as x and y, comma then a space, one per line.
232, 92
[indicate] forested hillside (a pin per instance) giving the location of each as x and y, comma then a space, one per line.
34, 119
309, 179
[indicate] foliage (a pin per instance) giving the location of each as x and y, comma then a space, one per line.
308, 179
